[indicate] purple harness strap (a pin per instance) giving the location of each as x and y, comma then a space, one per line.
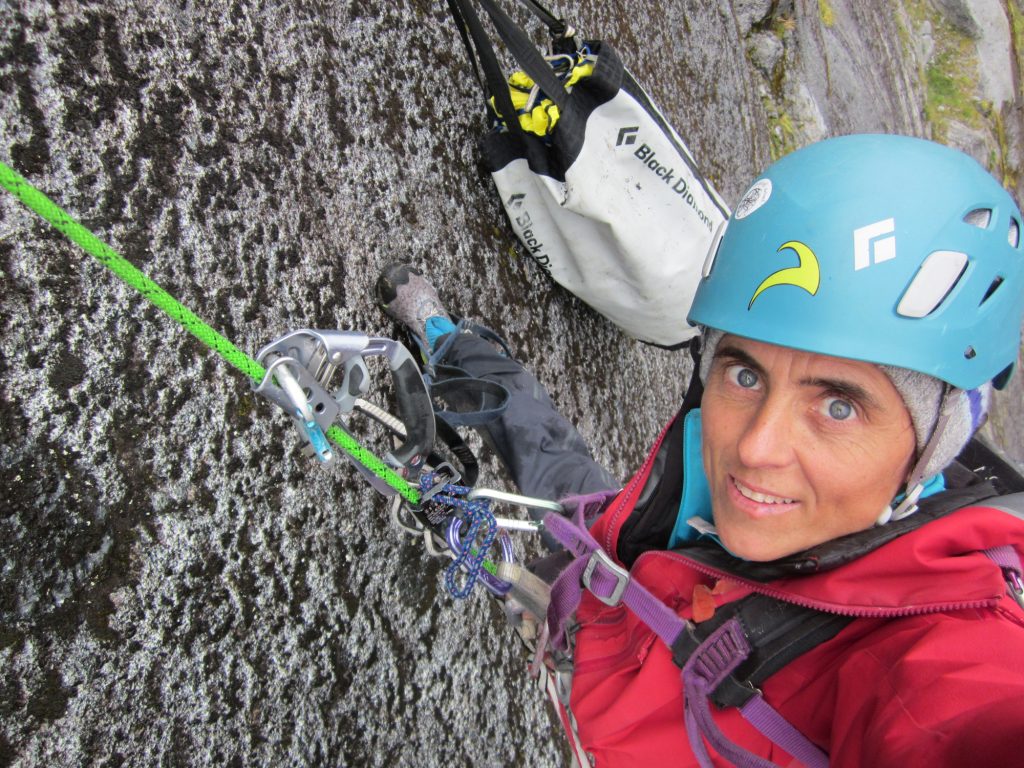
594, 570
713, 661
708, 665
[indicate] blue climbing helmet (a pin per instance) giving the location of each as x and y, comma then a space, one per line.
887, 249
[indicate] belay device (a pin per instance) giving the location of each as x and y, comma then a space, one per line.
300, 369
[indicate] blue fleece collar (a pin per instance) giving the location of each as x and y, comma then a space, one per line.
696, 498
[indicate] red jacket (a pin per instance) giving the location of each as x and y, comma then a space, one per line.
931, 673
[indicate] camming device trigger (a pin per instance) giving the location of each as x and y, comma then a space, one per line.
303, 414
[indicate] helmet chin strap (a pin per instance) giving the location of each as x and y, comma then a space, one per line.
916, 478
906, 507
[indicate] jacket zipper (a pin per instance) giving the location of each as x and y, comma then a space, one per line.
842, 610
644, 473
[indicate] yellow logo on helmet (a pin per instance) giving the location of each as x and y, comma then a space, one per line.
807, 275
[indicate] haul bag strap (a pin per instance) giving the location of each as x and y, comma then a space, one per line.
521, 47
556, 26
461, 25
494, 84
526, 54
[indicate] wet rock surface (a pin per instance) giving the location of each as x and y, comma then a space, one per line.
178, 584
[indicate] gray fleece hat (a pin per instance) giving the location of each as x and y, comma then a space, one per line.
943, 416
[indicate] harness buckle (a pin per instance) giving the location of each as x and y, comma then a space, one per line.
1016, 586
609, 568
444, 474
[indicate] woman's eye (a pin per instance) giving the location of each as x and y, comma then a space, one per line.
743, 377
838, 409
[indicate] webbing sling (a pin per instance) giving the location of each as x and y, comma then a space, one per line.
526, 54
472, 401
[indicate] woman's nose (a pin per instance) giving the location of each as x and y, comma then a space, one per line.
767, 440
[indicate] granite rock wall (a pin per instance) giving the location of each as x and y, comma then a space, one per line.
178, 584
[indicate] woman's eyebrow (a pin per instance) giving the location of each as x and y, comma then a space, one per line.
844, 389
737, 355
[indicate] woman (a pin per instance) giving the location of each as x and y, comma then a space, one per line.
801, 541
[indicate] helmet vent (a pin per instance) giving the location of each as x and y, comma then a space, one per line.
937, 277
969, 353
716, 245
1013, 236
979, 217
991, 289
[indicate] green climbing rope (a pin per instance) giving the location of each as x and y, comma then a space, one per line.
40, 204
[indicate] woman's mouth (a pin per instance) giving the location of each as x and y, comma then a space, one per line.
758, 503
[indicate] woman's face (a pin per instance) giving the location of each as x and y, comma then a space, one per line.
799, 448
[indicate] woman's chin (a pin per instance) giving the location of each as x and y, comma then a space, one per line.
756, 548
